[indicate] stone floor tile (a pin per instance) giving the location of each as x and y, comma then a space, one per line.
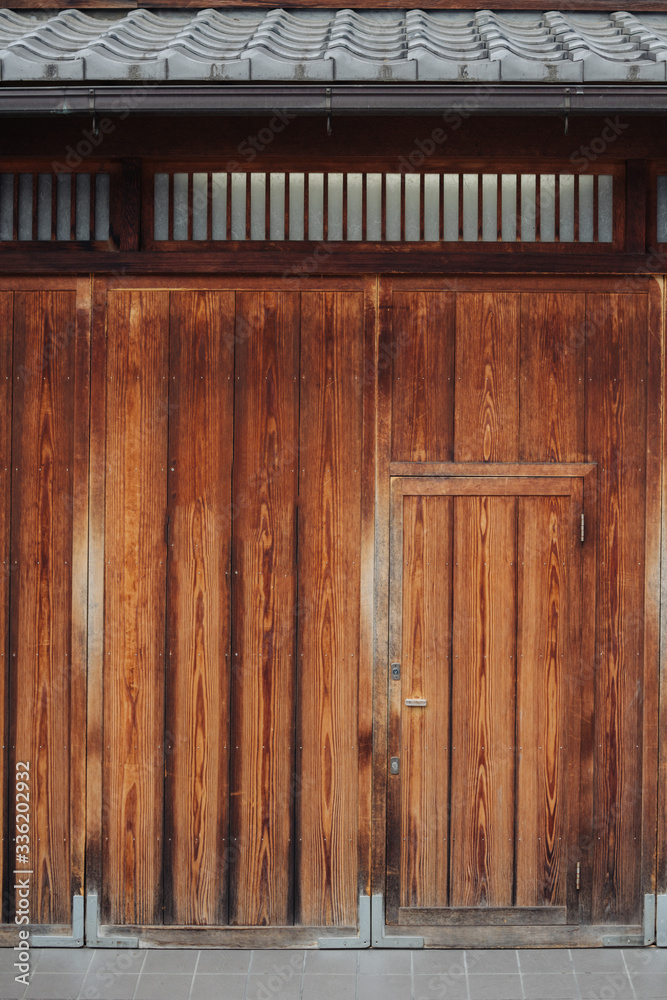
496, 961
284, 961
100, 986
438, 960
54, 986
495, 987
68, 960
395, 987
597, 960
163, 986
217, 986
544, 960
550, 986
650, 986
611, 985
163, 960
385, 962
273, 986
9, 988
236, 961
339, 987
333, 963
440, 987
645, 960
121, 961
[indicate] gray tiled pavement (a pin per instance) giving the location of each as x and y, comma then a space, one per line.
173, 974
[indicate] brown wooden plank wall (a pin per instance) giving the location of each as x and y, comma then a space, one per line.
48, 395
553, 376
6, 383
233, 442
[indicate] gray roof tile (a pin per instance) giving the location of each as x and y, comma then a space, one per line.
320, 45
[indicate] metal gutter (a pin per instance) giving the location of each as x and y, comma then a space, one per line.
339, 99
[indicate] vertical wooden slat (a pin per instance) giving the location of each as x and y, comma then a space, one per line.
228, 210
480, 207
499, 207
538, 207
423, 377
544, 659
364, 207
635, 206
421, 207
247, 180
15, 216
557, 178
306, 206
170, 204
93, 185
551, 377
35, 203
41, 593
189, 205
344, 231
325, 206
518, 208
402, 208
616, 429
267, 206
209, 205
286, 234
576, 197
135, 590
486, 406
200, 417
596, 186
483, 701
425, 673
72, 206
54, 205
326, 786
383, 206
460, 182
6, 383
263, 606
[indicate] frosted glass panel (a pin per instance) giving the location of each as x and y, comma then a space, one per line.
238, 206
102, 185
393, 224
160, 206
412, 206
6, 206
296, 189
199, 206
315, 206
219, 207
585, 208
180, 206
508, 190
527, 208
258, 207
44, 182
489, 206
547, 208
354, 202
605, 208
470, 193
450, 185
83, 206
25, 206
662, 208
277, 194
432, 207
566, 208
335, 211
374, 206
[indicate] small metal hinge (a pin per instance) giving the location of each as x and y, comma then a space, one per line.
582, 527
363, 939
393, 765
578, 874
395, 671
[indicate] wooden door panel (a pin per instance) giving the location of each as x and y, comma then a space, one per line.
483, 695
6, 383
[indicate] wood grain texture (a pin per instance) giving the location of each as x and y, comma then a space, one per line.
423, 376
42, 469
6, 382
483, 701
264, 499
425, 746
544, 660
326, 784
200, 421
616, 439
551, 377
486, 405
135, 591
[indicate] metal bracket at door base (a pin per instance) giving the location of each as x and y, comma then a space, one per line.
73, 940
648, 934
93, 940
363, 939
378, 937
661, 920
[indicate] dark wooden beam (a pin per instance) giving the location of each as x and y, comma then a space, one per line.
126, 206
635, 206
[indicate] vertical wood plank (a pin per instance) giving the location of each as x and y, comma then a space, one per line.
41, 629
551, 377
486, 402
326, 786
425, 673
263, 606
6, 382
423, 377
200, 417
616, 440
483, 701
544, 661
135, 589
